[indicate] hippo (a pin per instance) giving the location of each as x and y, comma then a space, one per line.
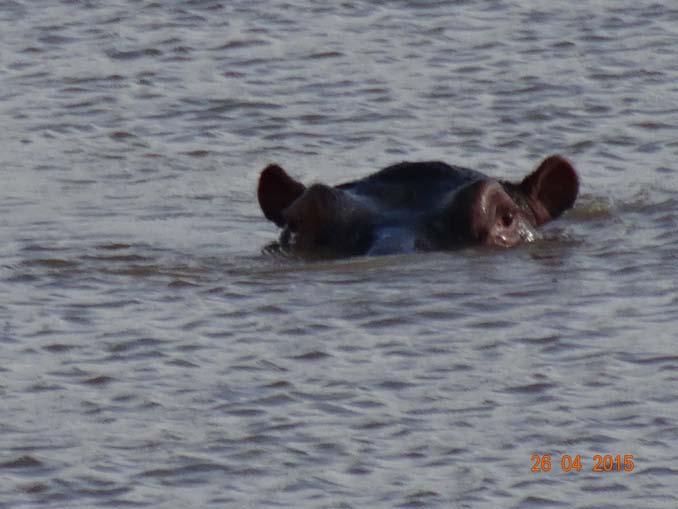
415, 206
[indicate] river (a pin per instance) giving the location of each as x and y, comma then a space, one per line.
156, 354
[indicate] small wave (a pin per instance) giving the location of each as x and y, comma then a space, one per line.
590, 208
22, 462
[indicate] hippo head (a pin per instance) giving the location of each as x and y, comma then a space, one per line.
504, 214
416, 206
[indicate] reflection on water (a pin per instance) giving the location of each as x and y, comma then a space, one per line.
160, 351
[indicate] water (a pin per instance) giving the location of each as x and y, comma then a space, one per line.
155, 355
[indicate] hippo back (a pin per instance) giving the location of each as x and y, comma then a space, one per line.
417, 186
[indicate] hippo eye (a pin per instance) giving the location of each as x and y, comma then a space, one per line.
507, 219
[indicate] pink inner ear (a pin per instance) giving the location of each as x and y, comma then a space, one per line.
551, 189
277, 191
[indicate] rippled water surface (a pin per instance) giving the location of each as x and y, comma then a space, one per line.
154, 354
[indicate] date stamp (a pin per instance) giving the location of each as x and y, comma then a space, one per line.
568, 463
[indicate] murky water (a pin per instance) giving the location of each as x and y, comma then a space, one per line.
154, 356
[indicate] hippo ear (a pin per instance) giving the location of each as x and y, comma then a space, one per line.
551, 189
277, 191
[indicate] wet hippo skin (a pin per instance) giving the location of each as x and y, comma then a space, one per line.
415, 206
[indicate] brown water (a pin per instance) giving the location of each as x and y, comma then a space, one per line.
154, 356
